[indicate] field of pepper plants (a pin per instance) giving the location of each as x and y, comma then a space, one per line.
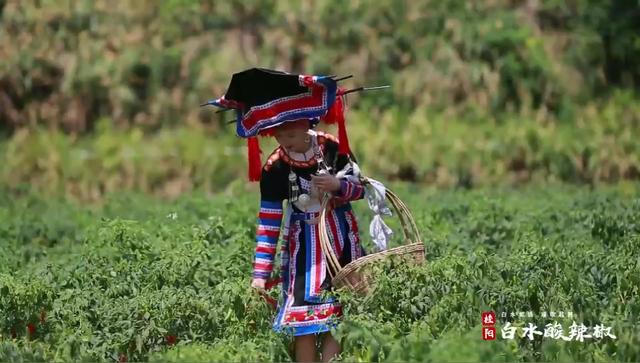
137, 278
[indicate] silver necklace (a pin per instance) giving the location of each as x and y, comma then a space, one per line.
294, 189
304, 199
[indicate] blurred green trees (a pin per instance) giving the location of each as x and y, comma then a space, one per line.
484, 91
69, 63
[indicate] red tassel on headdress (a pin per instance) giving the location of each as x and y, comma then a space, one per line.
335, 114
255, 164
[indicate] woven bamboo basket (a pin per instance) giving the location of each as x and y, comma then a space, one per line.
356, 275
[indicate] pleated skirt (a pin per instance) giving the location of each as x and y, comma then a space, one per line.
307, 305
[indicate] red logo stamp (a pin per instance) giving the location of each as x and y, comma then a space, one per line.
488, 333
488, 318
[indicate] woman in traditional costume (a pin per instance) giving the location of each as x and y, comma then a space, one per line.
306, 166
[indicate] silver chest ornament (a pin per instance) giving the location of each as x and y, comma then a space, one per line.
304, 200
301, 199
294, 190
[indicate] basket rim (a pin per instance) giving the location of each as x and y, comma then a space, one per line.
354, 265
409, 229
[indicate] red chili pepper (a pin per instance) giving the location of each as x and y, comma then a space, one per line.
269, 300
171, 339
271, 283
32, 328
122, 358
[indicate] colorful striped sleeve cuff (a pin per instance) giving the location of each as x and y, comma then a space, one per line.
350, 190
267, 234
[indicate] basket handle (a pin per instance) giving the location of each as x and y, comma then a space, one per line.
409, 228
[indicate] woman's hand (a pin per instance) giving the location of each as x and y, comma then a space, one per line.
326, 183
258, 284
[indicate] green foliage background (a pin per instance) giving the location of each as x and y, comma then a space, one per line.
487, 92
122, 277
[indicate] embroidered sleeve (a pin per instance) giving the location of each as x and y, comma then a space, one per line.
350, 187
267, 234
269, 223
350, 190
